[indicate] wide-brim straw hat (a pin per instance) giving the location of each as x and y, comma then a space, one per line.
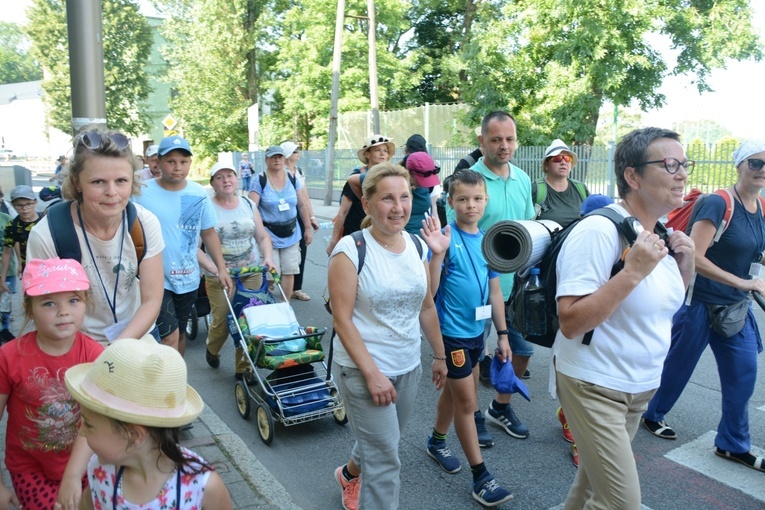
371, 142
556, 147
137, 381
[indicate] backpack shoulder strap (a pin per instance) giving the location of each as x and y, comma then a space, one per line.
62, 232
262, 179
249, 202
361, 247
539, 191
580, 187
293, 179
417, 243
136, 232
730, 206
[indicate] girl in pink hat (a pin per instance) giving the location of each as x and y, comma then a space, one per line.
41, 434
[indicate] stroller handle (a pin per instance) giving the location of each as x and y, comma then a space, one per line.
241, 271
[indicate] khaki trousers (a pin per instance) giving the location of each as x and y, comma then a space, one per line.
218, 331
604, 423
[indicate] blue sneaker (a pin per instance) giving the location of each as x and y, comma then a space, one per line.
489, 492
441, 453
485, 440
508, 421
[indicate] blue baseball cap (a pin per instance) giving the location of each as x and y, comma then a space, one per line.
594, 202
505, 381
172, 143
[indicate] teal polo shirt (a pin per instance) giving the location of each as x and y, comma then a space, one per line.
509, 199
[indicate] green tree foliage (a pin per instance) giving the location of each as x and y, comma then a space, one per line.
219, 52
126, 44
16, 63
707, 130
554, 62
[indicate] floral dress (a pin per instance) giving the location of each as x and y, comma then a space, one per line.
190, 487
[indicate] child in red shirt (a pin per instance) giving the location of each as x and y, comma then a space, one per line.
41, 433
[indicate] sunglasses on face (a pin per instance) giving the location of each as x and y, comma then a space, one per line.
94, 140
561, 157
671, 165
755, 164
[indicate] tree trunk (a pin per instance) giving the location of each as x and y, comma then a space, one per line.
470, 8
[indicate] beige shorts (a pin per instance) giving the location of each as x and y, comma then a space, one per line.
288, 259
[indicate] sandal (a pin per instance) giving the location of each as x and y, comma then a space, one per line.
659, 428
300, 295
747, 459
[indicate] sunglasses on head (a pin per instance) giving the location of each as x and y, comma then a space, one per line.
561, 157
93, 140
427, 173
755, 164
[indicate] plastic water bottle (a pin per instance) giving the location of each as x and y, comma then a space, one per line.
534, 304
327, 225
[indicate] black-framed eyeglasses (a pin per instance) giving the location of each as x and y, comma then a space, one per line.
93, 140
26, 205
671, 165
755, 164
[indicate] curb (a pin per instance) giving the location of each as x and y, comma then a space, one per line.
245, 462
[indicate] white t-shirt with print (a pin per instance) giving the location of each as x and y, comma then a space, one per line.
389, 298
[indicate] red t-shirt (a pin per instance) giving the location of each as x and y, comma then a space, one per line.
42, 415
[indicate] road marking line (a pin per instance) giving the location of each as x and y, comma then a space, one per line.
698, 456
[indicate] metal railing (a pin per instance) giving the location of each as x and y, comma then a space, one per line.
714, 167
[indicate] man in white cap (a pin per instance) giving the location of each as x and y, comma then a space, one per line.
185, 212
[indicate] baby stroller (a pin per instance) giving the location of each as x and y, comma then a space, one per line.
200, 308
289, 380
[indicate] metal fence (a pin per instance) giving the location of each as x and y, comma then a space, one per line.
714, 167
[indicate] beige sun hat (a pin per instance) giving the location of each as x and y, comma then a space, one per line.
137, 381
371, 142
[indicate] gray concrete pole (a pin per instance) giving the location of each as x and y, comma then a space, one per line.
86, 63
373, 96
337, 55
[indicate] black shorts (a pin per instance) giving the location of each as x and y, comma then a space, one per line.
462, 354
174, 312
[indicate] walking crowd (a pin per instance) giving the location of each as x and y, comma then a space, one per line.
110, 274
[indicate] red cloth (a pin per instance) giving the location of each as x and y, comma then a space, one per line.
42, 415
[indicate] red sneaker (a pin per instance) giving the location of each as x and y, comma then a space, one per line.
575, 454
567, 435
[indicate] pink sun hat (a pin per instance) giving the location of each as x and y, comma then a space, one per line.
53, 275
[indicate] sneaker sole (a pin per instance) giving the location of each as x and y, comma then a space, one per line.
339, 477
491, 504
442, 466
504, 427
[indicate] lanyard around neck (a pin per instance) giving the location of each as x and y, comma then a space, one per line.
473, 265
111, 302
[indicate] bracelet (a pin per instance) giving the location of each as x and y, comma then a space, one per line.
312, 218
503, 332
440, 358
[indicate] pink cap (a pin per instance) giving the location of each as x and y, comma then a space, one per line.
423, 168
54, 275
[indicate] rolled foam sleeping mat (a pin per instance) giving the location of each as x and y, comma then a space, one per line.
510, 246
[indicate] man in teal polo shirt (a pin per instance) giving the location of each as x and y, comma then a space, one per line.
509, 190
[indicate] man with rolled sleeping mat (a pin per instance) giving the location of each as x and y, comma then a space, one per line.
509, 190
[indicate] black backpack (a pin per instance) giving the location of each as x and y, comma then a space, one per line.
516, 310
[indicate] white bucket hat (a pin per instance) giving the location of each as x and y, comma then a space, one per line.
137, 381
556, 147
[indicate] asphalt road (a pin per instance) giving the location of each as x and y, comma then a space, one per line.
678, 474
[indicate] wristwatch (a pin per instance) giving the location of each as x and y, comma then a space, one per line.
503, 332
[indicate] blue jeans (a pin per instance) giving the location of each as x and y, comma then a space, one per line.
736, 364
378, 431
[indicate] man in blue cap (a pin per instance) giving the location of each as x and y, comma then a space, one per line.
185, 212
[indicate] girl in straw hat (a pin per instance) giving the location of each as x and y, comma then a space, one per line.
41, 434
133, 399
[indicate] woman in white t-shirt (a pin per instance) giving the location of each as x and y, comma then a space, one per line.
605, 385
377, 313
239, 227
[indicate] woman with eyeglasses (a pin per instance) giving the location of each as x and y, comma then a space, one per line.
556, 196
723, 286
605, 384
98, 189
377, 149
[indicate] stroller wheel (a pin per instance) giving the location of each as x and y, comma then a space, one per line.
265, 424
242, 400
340, 417
192, 325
